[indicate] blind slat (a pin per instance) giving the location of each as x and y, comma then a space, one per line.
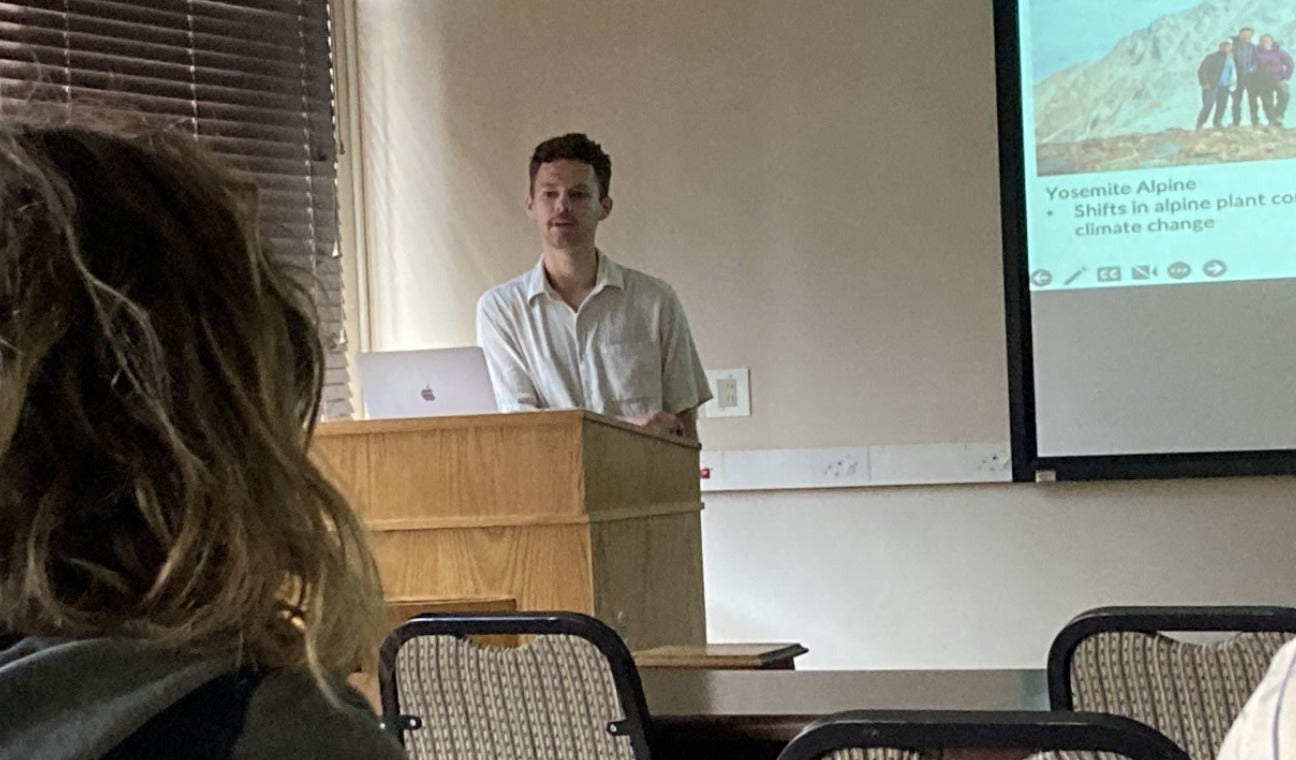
243, 17
45, 54
284, 64
230, 10
50, 63
272, 199
299, 227
297, 203
252, 132
237, 9
319, 186
317, 121
228, 93
189, 32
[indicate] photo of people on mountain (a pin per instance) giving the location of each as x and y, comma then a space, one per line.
1136, 84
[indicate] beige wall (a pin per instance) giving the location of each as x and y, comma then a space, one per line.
984, 575
818, 180
822, 197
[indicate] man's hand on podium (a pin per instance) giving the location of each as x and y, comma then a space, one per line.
658, 422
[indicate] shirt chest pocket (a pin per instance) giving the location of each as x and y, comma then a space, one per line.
633, 372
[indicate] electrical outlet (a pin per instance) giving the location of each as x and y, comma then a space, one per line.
730, 392
726, 393
844, 467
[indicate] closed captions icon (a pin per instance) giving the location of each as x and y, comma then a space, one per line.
1109, 274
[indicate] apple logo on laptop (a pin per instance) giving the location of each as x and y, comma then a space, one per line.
427, 394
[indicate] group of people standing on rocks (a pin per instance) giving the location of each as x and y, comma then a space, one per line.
1258, 72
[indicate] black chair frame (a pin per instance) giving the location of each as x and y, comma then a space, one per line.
1153, 620
624, 673
920, 730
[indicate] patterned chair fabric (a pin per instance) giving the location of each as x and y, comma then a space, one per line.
1189, 692
875, 754
878, 735
856, 753
552, 699
905, 754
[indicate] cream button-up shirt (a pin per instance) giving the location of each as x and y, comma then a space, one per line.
1266, 728
626, 351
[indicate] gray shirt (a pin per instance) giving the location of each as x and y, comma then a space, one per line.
76, 699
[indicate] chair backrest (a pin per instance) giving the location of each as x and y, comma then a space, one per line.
572, 691
917, 734
1116, 660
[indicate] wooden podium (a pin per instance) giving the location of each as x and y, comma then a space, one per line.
558, 510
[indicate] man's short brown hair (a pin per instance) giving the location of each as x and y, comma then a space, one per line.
574, 146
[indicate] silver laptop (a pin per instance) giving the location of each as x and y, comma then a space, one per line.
428, 383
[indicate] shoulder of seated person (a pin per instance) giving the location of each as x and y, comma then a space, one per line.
288, 716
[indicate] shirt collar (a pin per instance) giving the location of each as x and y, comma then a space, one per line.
536, 283
610, 275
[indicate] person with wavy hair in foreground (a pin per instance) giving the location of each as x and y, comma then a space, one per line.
177, 579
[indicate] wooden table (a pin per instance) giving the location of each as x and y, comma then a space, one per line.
722, 656
723, 714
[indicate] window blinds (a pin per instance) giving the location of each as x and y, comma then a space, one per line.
252, 79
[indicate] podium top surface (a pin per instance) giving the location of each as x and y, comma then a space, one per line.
546, 417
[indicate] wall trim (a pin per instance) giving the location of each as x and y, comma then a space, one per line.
855, 466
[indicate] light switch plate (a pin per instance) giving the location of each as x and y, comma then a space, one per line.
731, 389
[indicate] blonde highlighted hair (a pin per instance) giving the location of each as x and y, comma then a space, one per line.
160, 376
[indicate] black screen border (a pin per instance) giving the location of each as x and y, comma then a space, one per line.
1027, 464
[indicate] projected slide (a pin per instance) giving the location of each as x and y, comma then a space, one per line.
1157, 149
